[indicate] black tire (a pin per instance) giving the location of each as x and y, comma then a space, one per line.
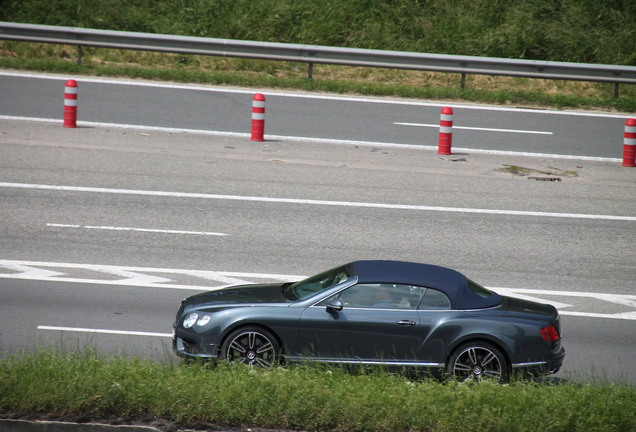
253, 346
478, 361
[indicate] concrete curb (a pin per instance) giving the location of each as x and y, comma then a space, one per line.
7, 425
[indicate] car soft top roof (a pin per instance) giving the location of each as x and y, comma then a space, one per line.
450, 282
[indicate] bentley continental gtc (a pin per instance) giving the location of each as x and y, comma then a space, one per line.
385, 313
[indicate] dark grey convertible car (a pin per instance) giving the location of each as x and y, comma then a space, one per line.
390, 313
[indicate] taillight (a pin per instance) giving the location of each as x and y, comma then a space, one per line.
549, 334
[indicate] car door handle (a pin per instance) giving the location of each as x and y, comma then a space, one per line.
406, 323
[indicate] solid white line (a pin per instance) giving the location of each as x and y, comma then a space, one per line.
476, 128
317, 202
112, 228
302, 95
29, 269
631, 316
104, 331
316, 140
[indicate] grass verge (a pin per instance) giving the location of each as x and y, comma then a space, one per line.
66, 385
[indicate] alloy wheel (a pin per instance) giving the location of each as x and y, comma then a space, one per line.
478, 362
252, 347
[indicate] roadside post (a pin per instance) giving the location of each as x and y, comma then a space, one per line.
258, 117
445, 131
70, 104
629, 143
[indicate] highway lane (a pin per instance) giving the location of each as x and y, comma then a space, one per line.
519, 250
136, 321
562, 251
27, 304
311, 116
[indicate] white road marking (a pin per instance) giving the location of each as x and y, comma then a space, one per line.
622, 305
628, 301
624, 300
318, 140
104, 331
317, 202
27, 272
299, 94
476, 128
134, 276
148, 230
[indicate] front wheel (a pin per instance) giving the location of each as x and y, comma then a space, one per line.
253, 346
478, 361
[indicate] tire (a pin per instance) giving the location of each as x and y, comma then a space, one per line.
478, 361
252, 346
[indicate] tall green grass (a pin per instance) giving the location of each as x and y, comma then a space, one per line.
566, 30
63, 385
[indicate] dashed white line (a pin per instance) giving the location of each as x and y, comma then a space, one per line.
103, 331
317, 202
148, 230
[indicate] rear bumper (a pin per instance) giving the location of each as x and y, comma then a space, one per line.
545, 367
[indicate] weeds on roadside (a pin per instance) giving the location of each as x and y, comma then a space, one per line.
306, 397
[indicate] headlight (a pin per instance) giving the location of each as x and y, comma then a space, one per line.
194, 318
190, 320
203, 320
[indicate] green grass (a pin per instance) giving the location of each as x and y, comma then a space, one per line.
588, 31
67, 385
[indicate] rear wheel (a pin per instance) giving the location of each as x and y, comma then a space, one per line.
253, 346
478, 361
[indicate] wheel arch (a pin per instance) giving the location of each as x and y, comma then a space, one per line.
246, 324
480, 338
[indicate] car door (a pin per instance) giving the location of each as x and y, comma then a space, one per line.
375, 324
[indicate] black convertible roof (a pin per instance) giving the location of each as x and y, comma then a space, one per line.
450, 282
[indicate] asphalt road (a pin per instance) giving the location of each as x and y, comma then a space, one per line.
136, 199
290, 114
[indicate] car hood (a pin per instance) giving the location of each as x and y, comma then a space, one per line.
242, 294
521, 306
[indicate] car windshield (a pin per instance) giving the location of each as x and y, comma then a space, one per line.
314, 284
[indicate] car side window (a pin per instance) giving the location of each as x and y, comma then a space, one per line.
433, 299
382, 296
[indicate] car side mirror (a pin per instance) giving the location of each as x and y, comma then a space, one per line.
335, 305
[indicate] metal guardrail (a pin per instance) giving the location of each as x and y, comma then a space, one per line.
319, 54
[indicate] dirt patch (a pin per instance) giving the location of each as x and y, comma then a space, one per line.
550, 174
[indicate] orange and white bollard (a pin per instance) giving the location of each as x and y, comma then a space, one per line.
70, 104
445, 131
629, 143
258, 117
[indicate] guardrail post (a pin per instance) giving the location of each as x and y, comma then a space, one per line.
445, 131
258, 117
629, 143
70, 104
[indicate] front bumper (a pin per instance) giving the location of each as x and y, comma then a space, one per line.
194, 346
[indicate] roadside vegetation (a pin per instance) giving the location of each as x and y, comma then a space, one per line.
87, 386
586, 31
